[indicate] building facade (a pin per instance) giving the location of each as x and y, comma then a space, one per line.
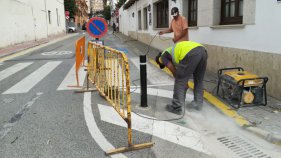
114, 11
97, 5
242, 33
30, 20
88, 2
81, 15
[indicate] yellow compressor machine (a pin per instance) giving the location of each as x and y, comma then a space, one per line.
240, 87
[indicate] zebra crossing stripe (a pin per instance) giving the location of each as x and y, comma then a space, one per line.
13, 69
70, 79
31, 80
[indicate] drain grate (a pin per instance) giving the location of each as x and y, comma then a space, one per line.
242, 148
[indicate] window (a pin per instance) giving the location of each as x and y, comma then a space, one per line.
139, 19
49, 15
145, 24
192, 12
162, 13
231, 12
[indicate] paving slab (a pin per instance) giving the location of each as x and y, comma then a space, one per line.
264, 121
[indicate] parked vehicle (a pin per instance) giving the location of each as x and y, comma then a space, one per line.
71, 27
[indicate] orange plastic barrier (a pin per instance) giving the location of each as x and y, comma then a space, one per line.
80, 57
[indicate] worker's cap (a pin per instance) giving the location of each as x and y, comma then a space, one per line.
158, 60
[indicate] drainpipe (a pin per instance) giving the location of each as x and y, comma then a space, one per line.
34, 24
46, 19
137, 15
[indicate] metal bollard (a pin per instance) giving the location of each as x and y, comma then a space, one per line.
143, 80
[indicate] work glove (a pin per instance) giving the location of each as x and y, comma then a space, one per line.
157, 59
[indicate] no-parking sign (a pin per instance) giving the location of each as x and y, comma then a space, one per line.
97, 27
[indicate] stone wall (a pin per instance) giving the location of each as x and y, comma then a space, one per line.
260, 63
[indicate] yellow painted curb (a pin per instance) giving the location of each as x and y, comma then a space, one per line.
14, 55
214, 101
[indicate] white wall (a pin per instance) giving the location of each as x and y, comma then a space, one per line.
260, 33
264, 35
89, 7
54, 27
25, 20
123, 21
129, 23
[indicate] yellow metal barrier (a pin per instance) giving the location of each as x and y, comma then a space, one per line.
108, 69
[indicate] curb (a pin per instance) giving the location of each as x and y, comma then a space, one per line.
33, 48
270, 137
241, 121
126, 40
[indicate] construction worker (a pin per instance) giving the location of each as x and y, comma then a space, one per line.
178, 25
185, 59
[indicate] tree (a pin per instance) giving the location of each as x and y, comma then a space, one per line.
107, 12
104, 2
120, 3
70, 5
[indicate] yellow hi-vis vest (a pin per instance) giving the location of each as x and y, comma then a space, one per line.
181, 49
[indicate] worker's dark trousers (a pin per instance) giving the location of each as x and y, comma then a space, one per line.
194, 63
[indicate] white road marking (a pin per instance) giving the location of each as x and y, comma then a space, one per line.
163, 93
57, 53
93, 128
153, 74
154, 85
162, 129
70, 79
31, 80
12, 70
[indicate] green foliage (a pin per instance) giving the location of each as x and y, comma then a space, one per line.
107, 12
104, 2
70, 5
120, 3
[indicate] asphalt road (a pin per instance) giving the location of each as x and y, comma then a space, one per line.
41, 117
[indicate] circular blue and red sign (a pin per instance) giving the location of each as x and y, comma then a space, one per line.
97, 27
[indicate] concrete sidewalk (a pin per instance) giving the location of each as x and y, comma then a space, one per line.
264, 121
30, 44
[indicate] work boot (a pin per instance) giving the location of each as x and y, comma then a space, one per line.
171, 109
195, 105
